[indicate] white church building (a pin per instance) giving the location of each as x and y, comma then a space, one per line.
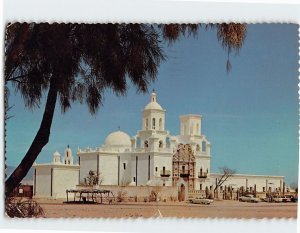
151, 157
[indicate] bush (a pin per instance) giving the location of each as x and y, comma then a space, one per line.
121, 196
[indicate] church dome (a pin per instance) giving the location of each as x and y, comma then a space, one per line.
117, 139
56, 153
153, 105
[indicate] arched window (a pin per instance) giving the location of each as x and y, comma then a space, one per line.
161, 144
197, 129
138, 142
168, 142
160, 124
201, 172
203, 146
198, 147
146, 124
146, 144
153, 123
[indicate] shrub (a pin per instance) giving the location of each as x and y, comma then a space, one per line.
121, 196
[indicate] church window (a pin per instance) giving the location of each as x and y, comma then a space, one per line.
69, 162
146, 124
133, 179
168, 142
264, 189
198, 147
160, 124
156, 169
183, 169
203, 146
153, 123
200, 171
200, 186
138, 142
197, 128
146, 144
161, 144
65, 162
124, 166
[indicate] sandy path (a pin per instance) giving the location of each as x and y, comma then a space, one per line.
221, 209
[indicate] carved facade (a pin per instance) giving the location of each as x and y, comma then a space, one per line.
184, 165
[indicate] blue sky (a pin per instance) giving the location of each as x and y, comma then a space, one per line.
250, 115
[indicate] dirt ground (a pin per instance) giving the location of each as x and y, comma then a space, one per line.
220, 209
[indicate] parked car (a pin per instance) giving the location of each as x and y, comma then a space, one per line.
249, 198
291, 198
287, 198
203, 201
279, 199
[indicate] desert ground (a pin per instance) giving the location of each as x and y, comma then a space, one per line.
220, 209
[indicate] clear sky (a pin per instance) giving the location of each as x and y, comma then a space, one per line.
250, 115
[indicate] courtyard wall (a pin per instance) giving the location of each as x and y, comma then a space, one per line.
139, 193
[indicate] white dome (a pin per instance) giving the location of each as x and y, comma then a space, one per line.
56, 153
153, 105
117, 139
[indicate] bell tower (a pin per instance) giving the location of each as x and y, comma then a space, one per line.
190, 125
153, 115
68, 158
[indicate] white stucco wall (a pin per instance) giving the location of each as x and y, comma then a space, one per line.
108, 167
161, 161
87, 162
125, 174
64, 178
243, 180
43, 182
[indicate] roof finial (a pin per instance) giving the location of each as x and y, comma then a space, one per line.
68, 146
153, 96
119, 128
153, 90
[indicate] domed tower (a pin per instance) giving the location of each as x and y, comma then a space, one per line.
153, 115
56, 158
68, 158
117, 140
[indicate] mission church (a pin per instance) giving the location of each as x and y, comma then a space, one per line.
153, 157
